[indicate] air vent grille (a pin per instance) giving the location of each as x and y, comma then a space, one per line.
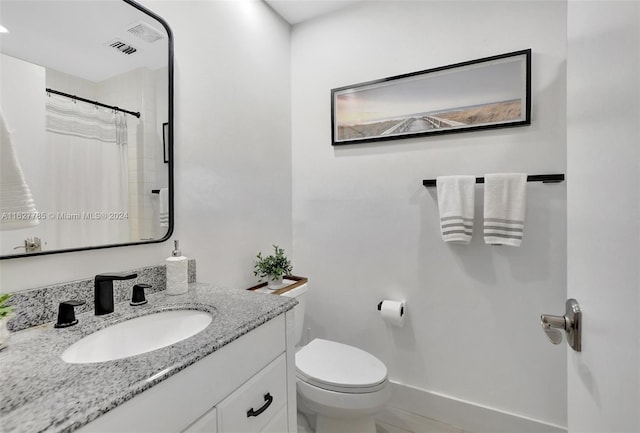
146, 32
122, 47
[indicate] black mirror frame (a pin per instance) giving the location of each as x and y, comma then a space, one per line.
170, 162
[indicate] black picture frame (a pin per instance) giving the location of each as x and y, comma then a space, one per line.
165, 142
487, 93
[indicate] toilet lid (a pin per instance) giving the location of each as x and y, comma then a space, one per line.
339, 367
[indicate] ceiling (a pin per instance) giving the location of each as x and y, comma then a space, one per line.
297, 11
74, 36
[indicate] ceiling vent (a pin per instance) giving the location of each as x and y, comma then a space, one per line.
145, 32
122, 46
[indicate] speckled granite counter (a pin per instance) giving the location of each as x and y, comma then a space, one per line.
40, 392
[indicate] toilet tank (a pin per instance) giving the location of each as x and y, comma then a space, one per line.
300, 293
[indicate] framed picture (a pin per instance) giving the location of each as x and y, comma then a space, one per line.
492, 92
165, 141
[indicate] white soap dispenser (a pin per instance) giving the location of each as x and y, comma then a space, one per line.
177, 272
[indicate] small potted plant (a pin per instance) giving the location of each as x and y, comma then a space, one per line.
5, 314
273, 267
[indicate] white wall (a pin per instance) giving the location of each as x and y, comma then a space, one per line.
232, 163
72, 84
232, 126
365, 228
603, 118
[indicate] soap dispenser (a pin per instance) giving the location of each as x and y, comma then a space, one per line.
177, 272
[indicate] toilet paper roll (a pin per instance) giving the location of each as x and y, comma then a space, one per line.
393, 312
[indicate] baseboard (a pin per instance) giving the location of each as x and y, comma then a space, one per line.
463, 415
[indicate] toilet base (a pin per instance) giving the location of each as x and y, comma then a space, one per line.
332, 412
305, 424
326, 424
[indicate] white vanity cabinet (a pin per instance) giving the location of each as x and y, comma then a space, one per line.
207, 423
257, 406
244, 387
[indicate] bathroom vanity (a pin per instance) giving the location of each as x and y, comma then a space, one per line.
236, 375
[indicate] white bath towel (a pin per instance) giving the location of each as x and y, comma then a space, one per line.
16, 202
455, 203
504, 208
164, 207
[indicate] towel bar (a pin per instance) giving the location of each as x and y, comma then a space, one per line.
544, 178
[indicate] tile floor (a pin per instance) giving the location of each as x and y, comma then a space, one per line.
392, 420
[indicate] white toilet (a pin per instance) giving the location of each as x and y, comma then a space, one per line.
342, 387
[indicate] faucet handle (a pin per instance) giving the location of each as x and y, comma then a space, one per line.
137, 297
66, 313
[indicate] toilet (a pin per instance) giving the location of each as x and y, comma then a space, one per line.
339, 386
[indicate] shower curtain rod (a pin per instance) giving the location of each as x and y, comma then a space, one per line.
77, 98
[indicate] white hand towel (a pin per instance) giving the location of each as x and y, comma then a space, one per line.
455, 202
504, 208
164, 207
16, 202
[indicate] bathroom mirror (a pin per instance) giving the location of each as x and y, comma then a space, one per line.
85, 89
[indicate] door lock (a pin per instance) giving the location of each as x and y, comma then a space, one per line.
571, 323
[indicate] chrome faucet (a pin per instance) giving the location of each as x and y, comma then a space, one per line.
103, 291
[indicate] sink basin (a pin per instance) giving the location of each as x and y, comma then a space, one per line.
137, 336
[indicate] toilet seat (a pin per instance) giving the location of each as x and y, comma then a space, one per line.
341, 368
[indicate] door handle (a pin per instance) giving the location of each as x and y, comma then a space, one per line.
571, 323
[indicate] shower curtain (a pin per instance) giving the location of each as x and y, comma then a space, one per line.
87, 173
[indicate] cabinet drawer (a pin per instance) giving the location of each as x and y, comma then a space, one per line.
278, 423
252, 406
207, 423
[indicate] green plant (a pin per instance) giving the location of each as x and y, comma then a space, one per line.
274, 266
5, 310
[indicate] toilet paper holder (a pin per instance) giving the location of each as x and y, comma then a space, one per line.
401, 308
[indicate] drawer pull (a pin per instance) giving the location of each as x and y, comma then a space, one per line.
267, 402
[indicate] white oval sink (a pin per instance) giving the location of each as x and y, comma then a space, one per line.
137, 336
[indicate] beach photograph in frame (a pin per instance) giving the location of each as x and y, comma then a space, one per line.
487, 93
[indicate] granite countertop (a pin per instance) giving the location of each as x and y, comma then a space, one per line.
40, 392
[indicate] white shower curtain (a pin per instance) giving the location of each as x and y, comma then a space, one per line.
88, 175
